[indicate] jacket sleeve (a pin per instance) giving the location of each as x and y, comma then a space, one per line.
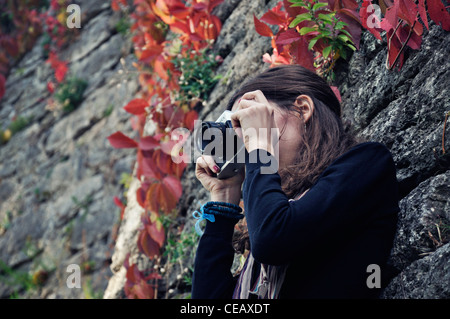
212, 278
359, 182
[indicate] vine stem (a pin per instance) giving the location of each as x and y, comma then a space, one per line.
389, 67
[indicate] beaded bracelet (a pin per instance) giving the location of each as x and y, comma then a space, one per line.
210, 209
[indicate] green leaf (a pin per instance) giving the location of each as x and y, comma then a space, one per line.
306, 30
326, 51
351, 46
343, 38
300, 18
313, 41
297, 3
319, 5
325, 17
339, 25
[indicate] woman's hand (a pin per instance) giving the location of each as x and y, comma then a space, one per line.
222, 190
254, 121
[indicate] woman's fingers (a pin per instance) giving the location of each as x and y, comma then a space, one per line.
206, 164
211, 163
257, 96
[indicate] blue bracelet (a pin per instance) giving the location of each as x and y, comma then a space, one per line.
210, 209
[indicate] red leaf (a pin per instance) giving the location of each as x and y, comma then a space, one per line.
2, 85
164, 195
336, 92
61, 71
262, 28
407, 11
287, 37
368, 12
147, 244
390, 19
119, 204
154, 229
173, 184
293, 11
119, 140
275, 16
351, 13
302, 55
438, 13
189, 119
167, 146
147, 167
140, 196
136, 106
423, 13
148, 143
51, 87
136, 285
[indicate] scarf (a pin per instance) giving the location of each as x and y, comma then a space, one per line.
269, 282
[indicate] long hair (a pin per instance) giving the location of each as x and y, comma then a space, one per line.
323, 138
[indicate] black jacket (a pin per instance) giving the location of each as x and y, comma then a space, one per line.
343, 224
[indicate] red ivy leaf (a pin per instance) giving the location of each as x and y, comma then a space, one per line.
51, 87
288, 37
154, 229
164, 195
275, 16
293, 11
136, 106
140, 196
262, 28
438, 13
136, 285
61, 71
148, 143
2, 85
423, 13
147, 244
365, 14
189, 119
119, 204
173, 184
336, 92
120, 140
302, 55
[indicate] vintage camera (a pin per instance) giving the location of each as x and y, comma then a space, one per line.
219, 140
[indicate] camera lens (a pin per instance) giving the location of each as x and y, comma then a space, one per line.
209, 132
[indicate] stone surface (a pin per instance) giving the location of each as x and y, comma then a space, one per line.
58, 175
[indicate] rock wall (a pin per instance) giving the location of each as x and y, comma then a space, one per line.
58, 176
58, 159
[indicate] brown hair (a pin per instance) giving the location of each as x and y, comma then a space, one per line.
324, 136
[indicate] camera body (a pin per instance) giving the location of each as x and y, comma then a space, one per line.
218, 139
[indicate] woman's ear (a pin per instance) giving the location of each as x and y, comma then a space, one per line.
305, 105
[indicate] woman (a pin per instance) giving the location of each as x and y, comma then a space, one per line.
316, 224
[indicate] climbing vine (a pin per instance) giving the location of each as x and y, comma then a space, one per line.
172, 41
316, 33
